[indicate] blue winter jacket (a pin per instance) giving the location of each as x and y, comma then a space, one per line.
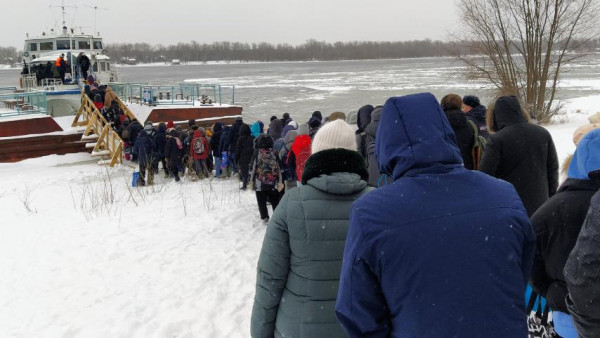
441, 251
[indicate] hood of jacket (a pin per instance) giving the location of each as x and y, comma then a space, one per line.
244, 130
507, 111
336, 171
301, 142
255, 130
264, 142
414, 134
287, 129
371, 128
457, 118
587, 156
290, 137
364, 117
198, 133
478, 112
275, 128
217, 127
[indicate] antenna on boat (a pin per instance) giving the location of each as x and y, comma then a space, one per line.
63, 12
96, 8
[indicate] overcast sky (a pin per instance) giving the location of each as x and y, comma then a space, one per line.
274, 21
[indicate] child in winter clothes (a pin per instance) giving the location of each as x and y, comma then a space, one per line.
199, 151
174, 152
266, 175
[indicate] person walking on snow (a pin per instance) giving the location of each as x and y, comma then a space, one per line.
298, 268
520, 153
423, 257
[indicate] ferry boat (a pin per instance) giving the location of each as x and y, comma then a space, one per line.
39, 70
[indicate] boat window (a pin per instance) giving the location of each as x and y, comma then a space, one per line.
46, 45
33, 47
97, 44
63, 44
95, 66
83, 44
102, 66
108, 66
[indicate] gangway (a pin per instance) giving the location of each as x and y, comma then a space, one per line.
106, 143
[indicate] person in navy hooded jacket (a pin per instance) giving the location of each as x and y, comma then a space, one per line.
441, 251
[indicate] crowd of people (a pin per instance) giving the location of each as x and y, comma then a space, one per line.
59, 68
427, 219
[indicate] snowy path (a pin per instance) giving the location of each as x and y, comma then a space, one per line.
141, 271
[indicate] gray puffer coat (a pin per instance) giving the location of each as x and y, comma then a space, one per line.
301, 257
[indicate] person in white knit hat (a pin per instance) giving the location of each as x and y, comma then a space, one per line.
301, 256
335, 134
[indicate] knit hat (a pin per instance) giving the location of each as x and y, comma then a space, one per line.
337, 116
170, 124
471, 101
293, 124
318, 115
303, 129
314, 122
335, 134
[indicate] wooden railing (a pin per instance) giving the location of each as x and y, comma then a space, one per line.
108, 145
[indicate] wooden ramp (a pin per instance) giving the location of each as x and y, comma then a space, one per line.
102, 139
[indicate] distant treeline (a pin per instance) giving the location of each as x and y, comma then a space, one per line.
9, 55
264, 52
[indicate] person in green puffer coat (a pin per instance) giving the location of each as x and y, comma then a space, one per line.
301, 257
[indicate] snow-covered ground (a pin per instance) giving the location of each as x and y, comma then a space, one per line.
82, 254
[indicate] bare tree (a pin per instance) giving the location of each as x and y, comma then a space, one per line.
522, 46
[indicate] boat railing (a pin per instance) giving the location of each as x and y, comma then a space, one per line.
51, 83
181, 94
28, 81
22, 103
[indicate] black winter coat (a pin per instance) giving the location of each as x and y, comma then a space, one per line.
557, 224
160, 138
522, 154
224, 141
172, 151
134, 129
244, 147
465, 135
582, 277
216, 139
234, 134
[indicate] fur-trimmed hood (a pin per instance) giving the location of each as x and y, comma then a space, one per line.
331, 161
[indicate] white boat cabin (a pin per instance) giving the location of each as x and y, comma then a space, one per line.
40, 55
